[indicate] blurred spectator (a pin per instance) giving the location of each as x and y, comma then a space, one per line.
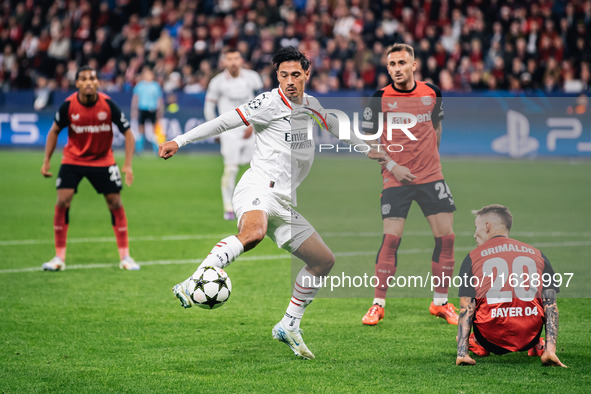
482, 40
580, 106
43, 93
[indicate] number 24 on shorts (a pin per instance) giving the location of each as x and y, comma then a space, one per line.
443, 191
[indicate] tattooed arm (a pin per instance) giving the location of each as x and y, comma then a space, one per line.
467, 309
549, 357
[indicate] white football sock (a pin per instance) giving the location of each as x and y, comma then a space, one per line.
439, 298
228, 185
380, 301
305, 288
224, 253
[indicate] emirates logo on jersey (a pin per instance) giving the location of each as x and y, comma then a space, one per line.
104, 127
101, 115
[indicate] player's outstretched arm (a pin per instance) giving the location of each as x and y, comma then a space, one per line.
50, 144
224, 122
549, 357
167, 149
467, 309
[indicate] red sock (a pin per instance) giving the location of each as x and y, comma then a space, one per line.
442, 262
60, 231
386, 263
119, 221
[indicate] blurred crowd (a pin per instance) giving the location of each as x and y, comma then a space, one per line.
461, 45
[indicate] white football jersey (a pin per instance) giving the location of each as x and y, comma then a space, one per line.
229, 92
284, 151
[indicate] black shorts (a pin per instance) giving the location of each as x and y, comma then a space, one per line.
491, 347
105, 180
433, 198
147, 115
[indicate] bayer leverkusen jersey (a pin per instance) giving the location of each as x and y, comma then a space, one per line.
90, 130
509, 311
421, 156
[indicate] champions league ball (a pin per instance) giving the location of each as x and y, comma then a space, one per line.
210, 287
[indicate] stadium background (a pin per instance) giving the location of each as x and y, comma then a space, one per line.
511, 73
468, 48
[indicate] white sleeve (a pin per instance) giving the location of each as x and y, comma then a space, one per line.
226, 121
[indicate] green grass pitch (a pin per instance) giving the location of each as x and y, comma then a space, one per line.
95, 328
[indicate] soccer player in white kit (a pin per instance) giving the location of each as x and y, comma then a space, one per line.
266, 193
226, 91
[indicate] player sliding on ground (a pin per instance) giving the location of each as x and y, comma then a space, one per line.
266, 194
508, 310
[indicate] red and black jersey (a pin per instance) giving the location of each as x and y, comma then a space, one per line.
421, 156
506, 277
90, 130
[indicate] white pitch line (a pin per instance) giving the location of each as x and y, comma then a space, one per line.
112, 239
144, 263
188, 237
281, 257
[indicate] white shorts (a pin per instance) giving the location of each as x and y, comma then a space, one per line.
285, 226
234, 148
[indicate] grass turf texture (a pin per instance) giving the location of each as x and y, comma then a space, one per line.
95, 328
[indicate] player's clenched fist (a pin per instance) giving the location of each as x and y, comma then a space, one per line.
167, 149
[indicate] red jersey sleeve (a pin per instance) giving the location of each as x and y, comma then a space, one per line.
414, 147
61, 117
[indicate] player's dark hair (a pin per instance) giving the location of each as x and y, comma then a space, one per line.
500, 210
288, 54
86, 68
399, 47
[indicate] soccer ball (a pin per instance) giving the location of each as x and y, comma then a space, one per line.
210, 287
